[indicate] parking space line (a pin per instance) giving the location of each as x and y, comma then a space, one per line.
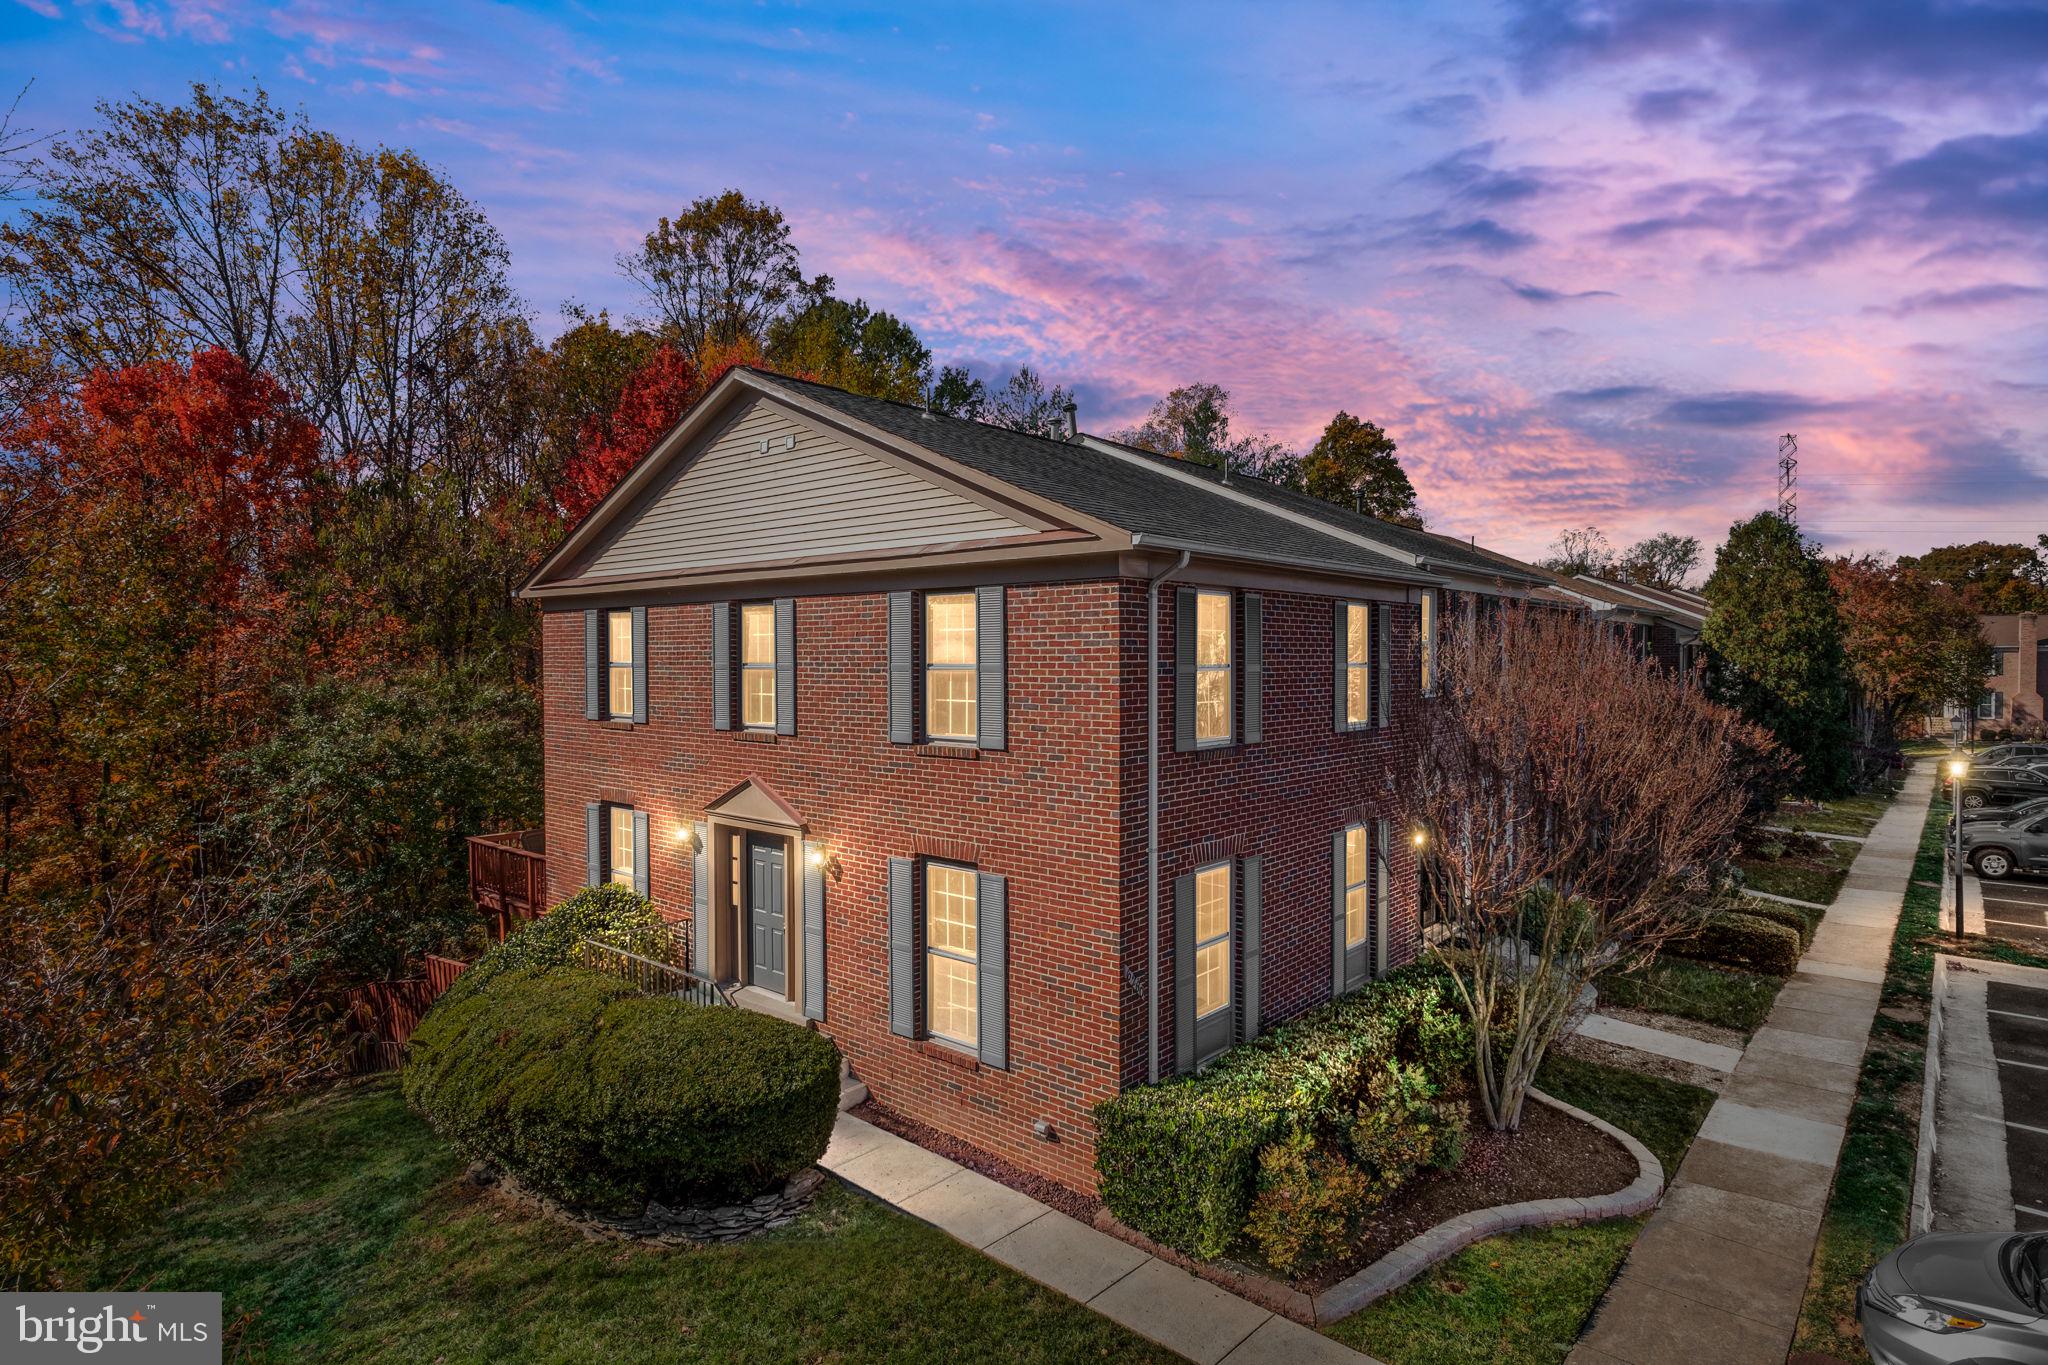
2026, 1208
2026, 1128
2031, 1066
2017, 923
2015, 1014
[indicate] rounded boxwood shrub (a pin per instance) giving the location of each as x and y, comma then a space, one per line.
593, 1094
608, 912
1800, 922
1734, 939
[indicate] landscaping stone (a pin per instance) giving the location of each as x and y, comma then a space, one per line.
659, 1225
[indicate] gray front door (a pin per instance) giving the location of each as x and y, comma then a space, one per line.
767, 880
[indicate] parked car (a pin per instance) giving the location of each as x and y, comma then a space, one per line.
1957, 1296
1999, 848
2013, 753
2006, 785
2036, 806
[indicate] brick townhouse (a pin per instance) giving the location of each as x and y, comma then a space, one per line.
859, 694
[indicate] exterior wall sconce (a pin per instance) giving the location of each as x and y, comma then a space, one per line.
825, 860
1419, 839
687, 837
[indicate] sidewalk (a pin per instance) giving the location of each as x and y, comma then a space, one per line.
1116, 1279
1721, 1267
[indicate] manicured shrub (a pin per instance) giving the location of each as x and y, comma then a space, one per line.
1180, 1160
608, 912
1800, 922
598, 1096
1310, 1200
1734, 939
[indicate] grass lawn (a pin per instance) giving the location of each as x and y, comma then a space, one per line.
1850, 815
348, 1235
1812, 877
1693, 990
1522, 1299
1867, 1208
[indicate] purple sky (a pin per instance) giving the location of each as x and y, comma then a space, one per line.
1585, 262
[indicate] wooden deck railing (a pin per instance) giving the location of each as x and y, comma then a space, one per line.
508, 878
651, 976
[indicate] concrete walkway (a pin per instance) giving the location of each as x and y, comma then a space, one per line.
1605, 1028
1147, 1295
1720, 1270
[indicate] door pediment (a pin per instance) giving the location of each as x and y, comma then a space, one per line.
758, 803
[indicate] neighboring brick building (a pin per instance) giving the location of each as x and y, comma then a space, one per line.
2013, 690
858, 693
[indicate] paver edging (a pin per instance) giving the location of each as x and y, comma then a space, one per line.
1448, 1238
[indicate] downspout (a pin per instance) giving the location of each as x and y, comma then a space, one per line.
1152, 815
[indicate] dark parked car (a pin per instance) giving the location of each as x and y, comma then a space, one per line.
2037, 806
2013, 753
2005, 785
1999, 848
1958, 1296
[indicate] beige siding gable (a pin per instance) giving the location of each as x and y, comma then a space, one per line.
822, 495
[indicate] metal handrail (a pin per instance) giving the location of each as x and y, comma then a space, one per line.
651, 976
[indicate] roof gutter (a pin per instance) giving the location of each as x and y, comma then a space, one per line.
1146, 540
1152, 813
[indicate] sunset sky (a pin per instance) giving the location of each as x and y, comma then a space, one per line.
1584, 262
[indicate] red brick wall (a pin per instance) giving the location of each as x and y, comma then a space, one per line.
1043, 814
1282, 797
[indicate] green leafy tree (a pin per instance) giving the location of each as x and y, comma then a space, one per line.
1774, 641
1664, 560
1352, 464
851, 346
1193, 423
956, 393
1024, 403
1991, 578
718, 273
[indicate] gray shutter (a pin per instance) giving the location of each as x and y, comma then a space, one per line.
989, 668
721, 665
785, 665
1382, 657
902, 949
1183, 669
1382, 887
1253, 867
640, 882
1340, 623
902, 667
1338, 981
700, 902
814, 937
992, 968
640, 667
1184, 972
593, 665
593, 843
1254, 667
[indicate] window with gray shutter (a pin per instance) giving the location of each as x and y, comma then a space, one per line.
1183, 669
902, 667
1251, 869
1340, 679
593, 833
700, 901
640, 880
990, 668
1254, 667
1383, 912
992, 968
640, 668
785, 665
814, 935
1340, 980
903, 947
593, 664
721, 665
1184, 972
1382, 656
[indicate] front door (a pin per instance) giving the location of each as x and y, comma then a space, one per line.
767, 879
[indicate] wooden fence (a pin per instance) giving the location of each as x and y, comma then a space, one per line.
383, 1014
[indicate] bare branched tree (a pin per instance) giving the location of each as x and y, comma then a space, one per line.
1573, 800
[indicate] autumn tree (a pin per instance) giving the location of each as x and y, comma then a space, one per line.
1664, 560
850, 346
1580, 550
654, 398
1990, 578
1352, 464
1774, 642
1902, 635
721, 271
1571, 797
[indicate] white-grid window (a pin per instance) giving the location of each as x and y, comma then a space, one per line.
757, 666
950, 945
1212, 940
1357, 663
619, 662
1355, 871
1428, 641
949, 662
619, 844
1212, 668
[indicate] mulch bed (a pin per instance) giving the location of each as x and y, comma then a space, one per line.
1070, 1202
1553, 1157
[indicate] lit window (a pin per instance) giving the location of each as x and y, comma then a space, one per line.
951, 1010
622, 845
1357, 663
1354, 885
1212, 940
757, 666
1212, 668
619, 661
949, 666
1428, 641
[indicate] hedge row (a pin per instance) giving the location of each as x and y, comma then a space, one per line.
1735, 939
1800, 922
1180, 1161
599, 1096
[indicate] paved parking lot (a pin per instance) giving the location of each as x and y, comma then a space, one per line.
1990, 1162
2017, 910
2018, 1016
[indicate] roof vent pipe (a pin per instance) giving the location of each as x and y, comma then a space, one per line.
1073, 413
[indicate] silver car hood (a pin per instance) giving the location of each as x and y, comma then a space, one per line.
1962, 1270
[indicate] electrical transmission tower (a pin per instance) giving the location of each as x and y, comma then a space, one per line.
1788, 477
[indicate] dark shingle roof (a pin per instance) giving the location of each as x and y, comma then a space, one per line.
1141, 500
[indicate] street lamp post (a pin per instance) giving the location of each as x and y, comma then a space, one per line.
1958, 767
